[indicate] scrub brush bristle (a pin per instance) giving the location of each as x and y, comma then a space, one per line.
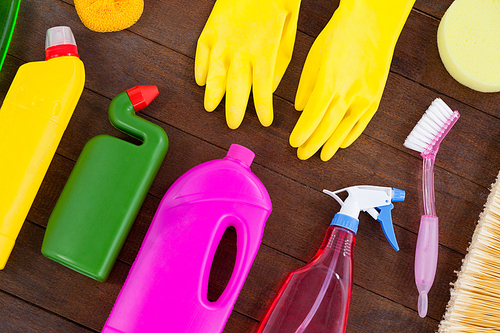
432, 127
109, 15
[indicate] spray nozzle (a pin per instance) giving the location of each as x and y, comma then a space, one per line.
375, 200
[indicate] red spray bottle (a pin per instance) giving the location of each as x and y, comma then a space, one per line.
315, 298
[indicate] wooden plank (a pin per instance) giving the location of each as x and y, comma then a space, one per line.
49, 285
384, 316
433, 8
238, 323
20, 316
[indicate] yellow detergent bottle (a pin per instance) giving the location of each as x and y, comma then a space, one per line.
33, 118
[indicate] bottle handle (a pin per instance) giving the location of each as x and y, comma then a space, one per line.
240, 271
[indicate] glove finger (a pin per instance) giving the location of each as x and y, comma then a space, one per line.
327, 126
216, 80
309, 76
282, 61
201, 62
333, 143
239, 83
262, 91
360, 126
285, 48
320, 101
336, 137
357, 110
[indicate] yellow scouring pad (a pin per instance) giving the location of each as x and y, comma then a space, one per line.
469, 43
109, 15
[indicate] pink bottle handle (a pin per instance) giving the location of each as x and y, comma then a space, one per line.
239, 274
426, 259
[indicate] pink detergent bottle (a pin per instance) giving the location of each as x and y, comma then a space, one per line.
166, 290
316, 297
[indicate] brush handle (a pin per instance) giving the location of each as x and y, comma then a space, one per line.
428, 185
426, 256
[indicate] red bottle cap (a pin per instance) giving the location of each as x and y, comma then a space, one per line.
141, 96
60, 42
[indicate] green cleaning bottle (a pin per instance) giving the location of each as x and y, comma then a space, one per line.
8, 16
104, 192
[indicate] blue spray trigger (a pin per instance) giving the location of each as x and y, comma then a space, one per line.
385, 220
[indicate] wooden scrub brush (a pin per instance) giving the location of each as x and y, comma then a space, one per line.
474, 305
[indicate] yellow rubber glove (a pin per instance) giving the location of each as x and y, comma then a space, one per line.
246, 44
345, 74
109, 15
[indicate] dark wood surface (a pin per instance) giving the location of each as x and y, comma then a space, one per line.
38, 295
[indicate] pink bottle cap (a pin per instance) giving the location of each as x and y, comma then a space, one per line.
242, 154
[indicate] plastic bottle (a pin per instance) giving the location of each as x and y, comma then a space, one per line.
316, 297
33, 118
105, 190
166, 290
8, 17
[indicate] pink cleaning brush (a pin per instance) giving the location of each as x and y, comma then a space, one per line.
425, 138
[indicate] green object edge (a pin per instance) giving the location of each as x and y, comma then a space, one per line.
8, 28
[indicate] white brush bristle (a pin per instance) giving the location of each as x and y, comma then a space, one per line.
428, 126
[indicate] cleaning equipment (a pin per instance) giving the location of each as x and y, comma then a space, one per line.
166, 289
33, 118
8, 16
468, 43
316, 297
345, 74
109, 15
473, 306
246, 44
105, 190
425, 138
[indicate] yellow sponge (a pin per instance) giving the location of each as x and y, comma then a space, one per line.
109, 15
469, 43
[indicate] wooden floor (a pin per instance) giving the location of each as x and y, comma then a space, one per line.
38, 295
